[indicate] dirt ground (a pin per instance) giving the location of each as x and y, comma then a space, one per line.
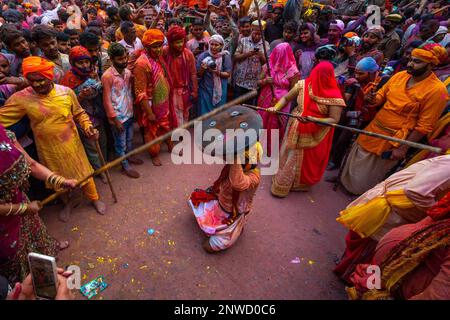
171, 264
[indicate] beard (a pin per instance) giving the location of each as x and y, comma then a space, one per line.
417, 72
366, 45
122, 65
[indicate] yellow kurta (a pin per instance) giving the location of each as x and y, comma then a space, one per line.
404, 110
53, 118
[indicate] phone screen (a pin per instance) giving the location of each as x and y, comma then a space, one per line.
43, 277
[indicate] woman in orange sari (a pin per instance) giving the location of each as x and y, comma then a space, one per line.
306, 147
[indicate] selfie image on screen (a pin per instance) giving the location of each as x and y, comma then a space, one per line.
43, 278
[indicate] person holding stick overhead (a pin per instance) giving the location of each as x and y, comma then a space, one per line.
306, 146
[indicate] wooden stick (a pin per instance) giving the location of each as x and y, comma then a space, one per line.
144, 147
367, 133
264, 45
108, 176
440, 9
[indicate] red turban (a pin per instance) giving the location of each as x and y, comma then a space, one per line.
78, 53
37, 64
176, 33
152, 36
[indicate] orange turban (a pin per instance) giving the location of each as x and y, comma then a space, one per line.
39, 65
432, 53
152, 36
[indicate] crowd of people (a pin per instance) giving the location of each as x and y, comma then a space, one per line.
76, 78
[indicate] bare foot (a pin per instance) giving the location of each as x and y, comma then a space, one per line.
63, 244
135, 160
207, 247
64, 214
156, 161
99, 206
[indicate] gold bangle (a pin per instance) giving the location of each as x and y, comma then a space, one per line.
10, 209
24, 208
18, 210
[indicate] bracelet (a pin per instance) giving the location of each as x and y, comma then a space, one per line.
18, 210
56, 181
23, 208
10, 209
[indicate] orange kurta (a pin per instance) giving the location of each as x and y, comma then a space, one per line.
404, 110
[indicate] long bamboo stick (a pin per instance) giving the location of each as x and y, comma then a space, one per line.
144, 147
367, 133
264, 46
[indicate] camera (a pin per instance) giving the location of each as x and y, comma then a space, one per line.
210, 62
256, 49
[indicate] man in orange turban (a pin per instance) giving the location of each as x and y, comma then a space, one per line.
410, 104
152, 90
57, 120
432, 53
39, 65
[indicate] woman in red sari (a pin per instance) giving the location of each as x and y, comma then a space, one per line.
306, 146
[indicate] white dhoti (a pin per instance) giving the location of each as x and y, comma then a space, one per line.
363, 170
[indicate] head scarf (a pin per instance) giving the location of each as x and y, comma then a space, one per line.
282, 63
152, 36
394, 17
367, 64
323, 82
39, 65
312, 30
432, 53
339, 24
176, 33
217, 90
377, 31
320, 88
76, 54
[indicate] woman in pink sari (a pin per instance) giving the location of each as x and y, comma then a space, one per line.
285, 75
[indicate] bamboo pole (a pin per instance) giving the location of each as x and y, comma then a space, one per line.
264, 46
367, 133
144, 147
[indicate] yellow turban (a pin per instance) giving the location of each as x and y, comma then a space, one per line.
432, 53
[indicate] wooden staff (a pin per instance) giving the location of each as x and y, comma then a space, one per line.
144, 147
264, 45
367, 133
108, 176
441, 9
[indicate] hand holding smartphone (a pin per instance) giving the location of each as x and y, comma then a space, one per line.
44, 275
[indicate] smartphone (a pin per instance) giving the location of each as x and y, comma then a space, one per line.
43, 272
